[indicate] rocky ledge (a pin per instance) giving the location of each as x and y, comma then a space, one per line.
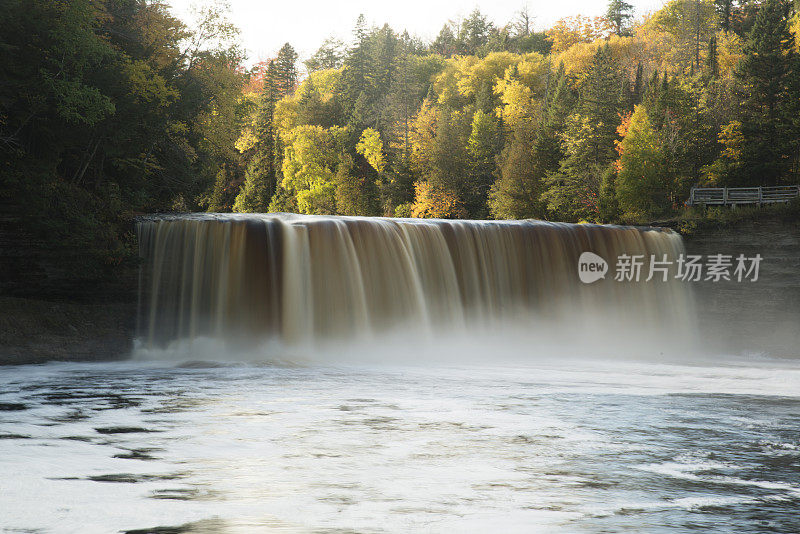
36, 331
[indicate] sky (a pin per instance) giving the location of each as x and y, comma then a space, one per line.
266, 24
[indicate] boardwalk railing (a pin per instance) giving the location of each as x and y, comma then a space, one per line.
733, 196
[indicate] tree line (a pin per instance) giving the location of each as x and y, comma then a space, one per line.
110, 108
605, 119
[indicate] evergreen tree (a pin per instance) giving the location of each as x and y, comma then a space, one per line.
330, 55
724, 12
261, 177
619, 14
355, 76
516, 192
483, 147
530, 155
444, 164
473, 35
254, 195
712, 61
573, 191
769, 74
286, 70
638, 85
445, 43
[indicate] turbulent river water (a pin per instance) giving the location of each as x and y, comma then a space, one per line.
578, 446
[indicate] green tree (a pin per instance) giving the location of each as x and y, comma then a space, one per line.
573, 191
483, 147
258, 146
445, 43
108, 108
330, 55
473, 35
769, 74
286, 70
619, 13
724, 10
516, 192
642, 180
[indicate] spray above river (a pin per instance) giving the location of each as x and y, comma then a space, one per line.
310, 281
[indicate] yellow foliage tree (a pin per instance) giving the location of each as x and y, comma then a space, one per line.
371, 147
312, 158
570, 31
432, 202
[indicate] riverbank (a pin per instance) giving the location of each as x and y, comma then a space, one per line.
37, 331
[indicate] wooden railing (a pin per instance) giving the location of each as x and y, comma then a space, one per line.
733, 196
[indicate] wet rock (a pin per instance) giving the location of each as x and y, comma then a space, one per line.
136, 454
14, 436
122, 430
133, 478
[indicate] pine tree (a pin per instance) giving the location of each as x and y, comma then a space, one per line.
483, 147
384, 48
600, 104
713, 60
474, 33
516, 192
573, 191
355, 76
619, 14
254, 196
724, 12
445, 43
286, 70
261, 179
638, 85
330, 55
769, 73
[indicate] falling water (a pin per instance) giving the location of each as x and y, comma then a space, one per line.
311, 279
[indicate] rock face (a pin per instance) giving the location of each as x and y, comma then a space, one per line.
46, 315
752, 317
32, 268
35, 331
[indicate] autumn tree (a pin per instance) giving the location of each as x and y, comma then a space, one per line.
570, 31
642, 175
692, 23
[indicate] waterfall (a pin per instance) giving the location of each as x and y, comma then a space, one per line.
310, 279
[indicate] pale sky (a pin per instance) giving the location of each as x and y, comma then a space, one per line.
266, 24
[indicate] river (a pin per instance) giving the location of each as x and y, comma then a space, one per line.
573, 446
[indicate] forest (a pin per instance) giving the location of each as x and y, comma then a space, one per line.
113, 108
